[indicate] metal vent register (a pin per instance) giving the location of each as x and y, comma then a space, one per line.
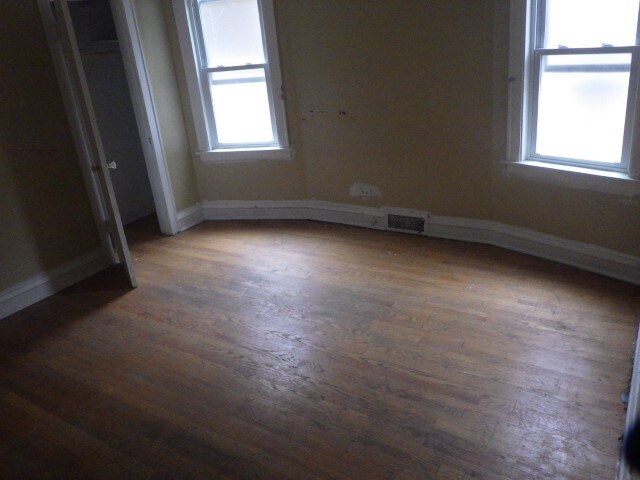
408, 224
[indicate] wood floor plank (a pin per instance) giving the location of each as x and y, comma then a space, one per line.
302, 350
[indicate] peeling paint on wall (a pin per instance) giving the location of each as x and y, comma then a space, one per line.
326, 111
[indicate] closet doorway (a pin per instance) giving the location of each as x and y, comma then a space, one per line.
104, 69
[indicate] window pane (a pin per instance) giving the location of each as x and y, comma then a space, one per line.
591, 23
232, 32
241, 107
581, 114
614, 60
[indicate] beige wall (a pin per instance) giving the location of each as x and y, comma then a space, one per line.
45, 218
597, 218
410, 96
265, 180
410, 80
160, 63
413, 116
422, 91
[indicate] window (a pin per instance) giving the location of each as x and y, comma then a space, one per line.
574, 70
231, 62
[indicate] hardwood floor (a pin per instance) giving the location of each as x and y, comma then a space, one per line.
302, 350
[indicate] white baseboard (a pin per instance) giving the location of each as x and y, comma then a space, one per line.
189, 217
47, 283
582, 255
295, 210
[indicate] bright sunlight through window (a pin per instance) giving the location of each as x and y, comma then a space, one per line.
240, 100
582, 64
230, 51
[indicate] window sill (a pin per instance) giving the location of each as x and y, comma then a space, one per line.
575, 177
240, 155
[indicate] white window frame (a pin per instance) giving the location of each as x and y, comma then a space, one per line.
621, 179
192, 48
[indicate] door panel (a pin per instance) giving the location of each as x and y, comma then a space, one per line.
69, 45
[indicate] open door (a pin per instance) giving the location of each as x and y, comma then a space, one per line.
92, 145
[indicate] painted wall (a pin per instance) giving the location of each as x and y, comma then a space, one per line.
394, 94
264, 180
410, 96
160, 64
365, 105
45, 217
591, 217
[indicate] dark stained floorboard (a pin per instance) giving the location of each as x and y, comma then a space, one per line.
302, 350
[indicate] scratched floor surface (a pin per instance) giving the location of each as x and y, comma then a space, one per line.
302, 350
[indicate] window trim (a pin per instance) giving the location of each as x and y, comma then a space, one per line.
521, 93
537, 60
191, 47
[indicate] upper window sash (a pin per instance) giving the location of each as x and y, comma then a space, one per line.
560, 37
253, 53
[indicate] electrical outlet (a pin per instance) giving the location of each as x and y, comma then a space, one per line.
363, 190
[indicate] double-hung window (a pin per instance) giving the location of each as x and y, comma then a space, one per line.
231, 63
574, 68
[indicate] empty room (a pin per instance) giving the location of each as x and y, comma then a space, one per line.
319, 239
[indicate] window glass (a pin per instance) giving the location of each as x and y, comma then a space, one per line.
241, 106
591, 23
232, 32
581, 111
611, 61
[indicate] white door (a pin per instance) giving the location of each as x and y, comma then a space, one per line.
95, 152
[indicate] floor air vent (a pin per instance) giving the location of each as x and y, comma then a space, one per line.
408, 224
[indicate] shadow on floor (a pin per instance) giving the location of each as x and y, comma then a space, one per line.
21, 332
